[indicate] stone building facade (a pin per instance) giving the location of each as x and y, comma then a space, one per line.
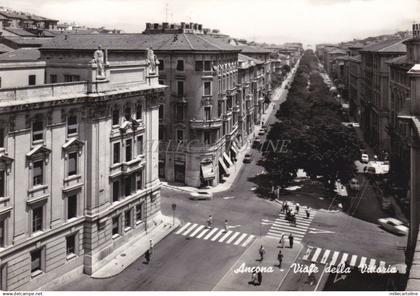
78, 160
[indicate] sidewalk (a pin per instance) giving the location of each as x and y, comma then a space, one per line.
127, 254
234, 170
271, 281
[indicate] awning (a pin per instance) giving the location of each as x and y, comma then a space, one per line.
226, 157
222, 163
207, 171
232, 147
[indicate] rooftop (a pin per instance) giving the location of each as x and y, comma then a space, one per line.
26, 41
21, 55
386, 46
245, 58
161, 42
20, 32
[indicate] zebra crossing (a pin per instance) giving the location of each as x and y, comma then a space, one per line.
334, 258
281, 226
236, 238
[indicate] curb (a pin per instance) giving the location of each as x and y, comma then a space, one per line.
287, 273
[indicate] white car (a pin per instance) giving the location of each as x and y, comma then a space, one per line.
201, 195
365, 158
393, 225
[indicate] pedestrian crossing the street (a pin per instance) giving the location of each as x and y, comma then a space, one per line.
334, 258
236, 238
281, 226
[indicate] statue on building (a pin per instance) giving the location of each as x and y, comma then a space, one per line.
152, 60
99, 60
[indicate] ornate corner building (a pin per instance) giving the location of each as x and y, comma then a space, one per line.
78, 158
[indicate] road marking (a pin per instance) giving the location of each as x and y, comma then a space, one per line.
353, 260
316, 255
238, 241
210, 233
344, 258
362, 262
232, 237
248, 240
307, 253
228, 197
334, 258
217, 235
190, 229
325, 257
372, 263
183, 228
203, 233
225, 236
197, 230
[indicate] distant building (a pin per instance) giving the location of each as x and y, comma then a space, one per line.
78, 158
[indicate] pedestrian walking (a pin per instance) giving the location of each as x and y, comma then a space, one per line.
281, 242
259, 276
280, 258
254, 278
278, 192
308, 214
287, 207
262, 252
226, 226
291, 238
147, 256
210, 222
297, 208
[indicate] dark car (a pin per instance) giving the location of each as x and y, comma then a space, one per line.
248, 157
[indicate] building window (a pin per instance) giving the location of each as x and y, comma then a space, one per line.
128, 150
139, 212
0, 82
72, 170
180, 136
71, 78
72, 126
207, 88
38, 173
2, 138
37, 130
139, 180
37, 219
199, 66
36, 261
180, 85
180, 65
139, 145
2, 183
127, 113
219, 108
116, 191
127, 219
161, 65
115, 225
115, 116
53, 78
127, 186
32, 79
161, 112
116, 153
71, 245
206, 137
179, 112
207, 113
207, 65
2, 234
139, 112
72, 206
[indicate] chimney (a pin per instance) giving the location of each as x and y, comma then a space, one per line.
156, 26
148, 26
195, 26
200, 27
165, 26
416, 31
191, 25
182, 25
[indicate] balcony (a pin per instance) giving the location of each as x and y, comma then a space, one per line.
236, 109
179, 98
231, 92
126, 168
206, 124
227, 116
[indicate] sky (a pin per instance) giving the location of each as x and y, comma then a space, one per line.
272, 21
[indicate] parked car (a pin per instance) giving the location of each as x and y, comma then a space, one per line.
248, 157
264, 127
261, 132
257, 142
201, 195
354, 185
365, 158
393, 225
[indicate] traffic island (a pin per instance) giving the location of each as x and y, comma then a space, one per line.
239, 276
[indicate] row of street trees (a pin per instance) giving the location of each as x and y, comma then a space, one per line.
311, 120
